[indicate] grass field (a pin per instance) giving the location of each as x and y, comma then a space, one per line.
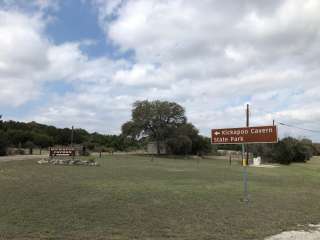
130, 197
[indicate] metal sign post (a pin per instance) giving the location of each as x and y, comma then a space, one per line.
245, 171
245, 177
72, 136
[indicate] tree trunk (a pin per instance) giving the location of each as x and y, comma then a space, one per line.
158, 148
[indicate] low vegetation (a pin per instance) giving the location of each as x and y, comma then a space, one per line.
288, 150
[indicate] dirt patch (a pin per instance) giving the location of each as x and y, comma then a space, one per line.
176, 170
265, 166
313, 234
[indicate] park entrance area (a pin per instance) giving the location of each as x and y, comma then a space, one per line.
65, 155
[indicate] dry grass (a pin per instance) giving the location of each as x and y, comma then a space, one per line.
130, 197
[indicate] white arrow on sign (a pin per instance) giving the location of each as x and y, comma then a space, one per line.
216, 133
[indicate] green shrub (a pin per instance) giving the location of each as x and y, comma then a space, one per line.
202, 145
180, 145
290, 150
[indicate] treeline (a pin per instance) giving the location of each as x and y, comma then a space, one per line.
34, 135
161, 122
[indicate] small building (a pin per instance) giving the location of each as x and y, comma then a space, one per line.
152, 148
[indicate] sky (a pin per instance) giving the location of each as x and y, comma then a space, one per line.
85, 62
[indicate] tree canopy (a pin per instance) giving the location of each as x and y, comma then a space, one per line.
163, 121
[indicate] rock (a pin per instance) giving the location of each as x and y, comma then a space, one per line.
69, 162
43, 161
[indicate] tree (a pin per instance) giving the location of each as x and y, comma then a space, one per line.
154, 119
3, 143
3, 139
262, 149
185, 139
42, 141
129, 129
30, 145
316, 149
17, 136
307, 148
290, 150
19, 133
283, 152
201, 145
180, 144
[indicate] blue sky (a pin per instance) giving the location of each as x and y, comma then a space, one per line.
85, 62
76, 21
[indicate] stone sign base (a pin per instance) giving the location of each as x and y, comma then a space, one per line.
69, 162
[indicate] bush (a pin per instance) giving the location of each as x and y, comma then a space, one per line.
180, 145
202, 145
316, 149
90, 146
291, 150
30, 145
264, 150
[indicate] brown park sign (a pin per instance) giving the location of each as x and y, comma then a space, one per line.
264, 134
64, 151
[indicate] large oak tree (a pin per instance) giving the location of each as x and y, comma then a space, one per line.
155, 120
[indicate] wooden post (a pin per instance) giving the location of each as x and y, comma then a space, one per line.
247, 124
72, 137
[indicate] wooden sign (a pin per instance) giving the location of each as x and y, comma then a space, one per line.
61, 152
263, 134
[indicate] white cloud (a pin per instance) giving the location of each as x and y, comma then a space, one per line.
143, 75
224, 54
29, 59
23, 57
210, 56
47, 4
